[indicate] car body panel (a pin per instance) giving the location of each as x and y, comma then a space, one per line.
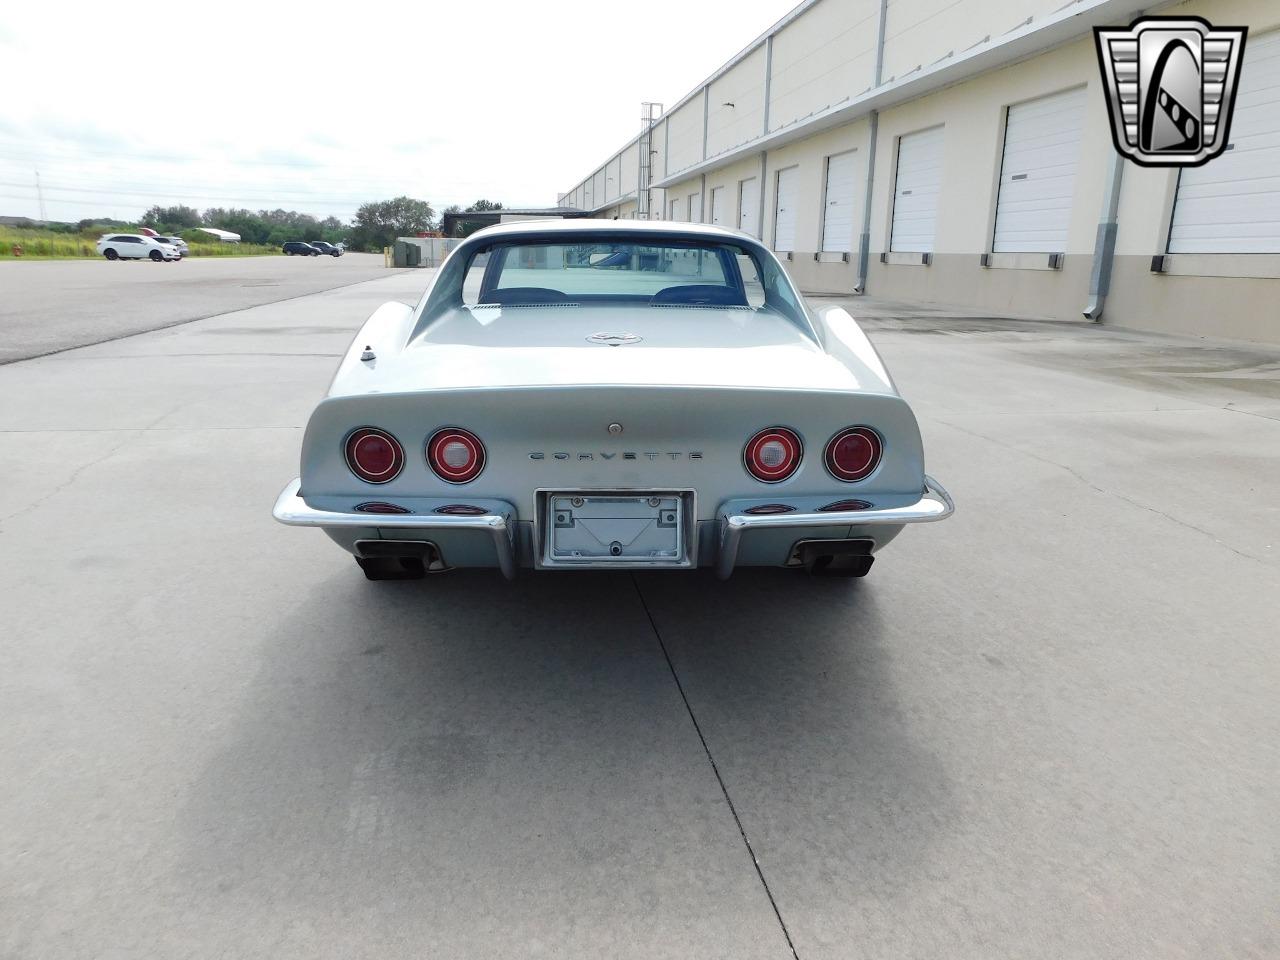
491, 347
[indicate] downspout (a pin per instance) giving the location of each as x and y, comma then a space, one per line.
764, 132
1104, 246
864, 241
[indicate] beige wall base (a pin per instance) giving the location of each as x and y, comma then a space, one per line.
1234, 308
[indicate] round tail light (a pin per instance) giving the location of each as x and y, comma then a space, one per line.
772, 455
374, 455
854, 453
455, 455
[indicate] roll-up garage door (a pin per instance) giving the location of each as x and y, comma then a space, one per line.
1232, 203
784, 221
695, 208
717, 205
1038, 173
748, 205
837, 215
915, 195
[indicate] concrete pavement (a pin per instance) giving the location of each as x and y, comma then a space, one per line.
50, 305
1048, 727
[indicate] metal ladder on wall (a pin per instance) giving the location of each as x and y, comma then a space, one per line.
649, 114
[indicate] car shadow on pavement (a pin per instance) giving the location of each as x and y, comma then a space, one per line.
503, 750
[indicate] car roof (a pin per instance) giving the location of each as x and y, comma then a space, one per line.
588, 225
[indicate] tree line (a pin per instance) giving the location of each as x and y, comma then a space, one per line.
376, 225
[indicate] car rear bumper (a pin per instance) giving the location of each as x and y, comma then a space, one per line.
933, 504
497, 525
735, 534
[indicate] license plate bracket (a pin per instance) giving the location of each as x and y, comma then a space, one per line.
617, 529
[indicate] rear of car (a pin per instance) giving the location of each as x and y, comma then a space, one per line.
612, 399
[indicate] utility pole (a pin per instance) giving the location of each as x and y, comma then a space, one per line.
40, 198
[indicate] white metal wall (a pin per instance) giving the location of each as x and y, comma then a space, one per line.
1232, 204
916, 188
1038, 173
825, 54
839, 195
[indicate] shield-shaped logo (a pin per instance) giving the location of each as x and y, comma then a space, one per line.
1171, 84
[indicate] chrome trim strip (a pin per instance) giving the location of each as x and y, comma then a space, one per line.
292, 510
934, 504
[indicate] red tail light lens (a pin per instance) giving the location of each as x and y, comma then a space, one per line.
773, 454
377, 506
853, 454
844, 506
455, 455
461, 510
374, 455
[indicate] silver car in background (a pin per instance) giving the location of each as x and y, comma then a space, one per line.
588, 395
177, 243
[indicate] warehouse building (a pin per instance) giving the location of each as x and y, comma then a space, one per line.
960, 151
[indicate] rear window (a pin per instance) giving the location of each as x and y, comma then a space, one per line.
599, 269
672, 273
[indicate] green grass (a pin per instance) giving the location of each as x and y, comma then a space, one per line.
38, 244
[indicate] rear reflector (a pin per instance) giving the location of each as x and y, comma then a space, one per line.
772, 455
853, 454
373, 455
767, 508
377, 506
455, 455
840, 506
461, 510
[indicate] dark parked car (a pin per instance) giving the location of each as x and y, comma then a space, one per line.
298, 248
328, 248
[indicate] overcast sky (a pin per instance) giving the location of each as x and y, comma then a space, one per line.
320, 108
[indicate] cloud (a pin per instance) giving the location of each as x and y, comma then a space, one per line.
501, 100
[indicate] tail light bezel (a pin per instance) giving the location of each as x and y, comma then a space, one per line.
844, 475
352, 441
433, 450
761, 471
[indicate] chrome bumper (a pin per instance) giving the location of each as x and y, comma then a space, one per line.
291, 509
934, 504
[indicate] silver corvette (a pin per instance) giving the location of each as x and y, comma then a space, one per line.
587, 395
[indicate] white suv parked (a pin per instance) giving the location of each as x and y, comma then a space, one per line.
128, 246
